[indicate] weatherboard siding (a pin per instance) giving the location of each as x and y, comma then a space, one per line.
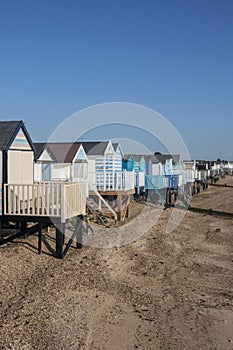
20, 142
118, 160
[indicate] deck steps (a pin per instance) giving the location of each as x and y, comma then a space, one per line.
97, 213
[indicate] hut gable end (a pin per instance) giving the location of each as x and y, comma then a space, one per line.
80, 155
13, 135
20, 142
109, 149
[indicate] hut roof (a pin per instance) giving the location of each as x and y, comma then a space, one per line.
161, 158
136, 157
39, 148
9, 130
127, 156
115, 145
95, 148
61, 152
151, 158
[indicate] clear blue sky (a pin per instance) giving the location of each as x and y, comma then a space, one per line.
57, 57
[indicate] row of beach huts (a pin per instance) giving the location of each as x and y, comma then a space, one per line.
49, 183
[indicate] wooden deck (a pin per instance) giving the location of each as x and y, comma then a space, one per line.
115, 192
51, 199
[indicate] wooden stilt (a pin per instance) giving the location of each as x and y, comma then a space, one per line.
39, 238
119, 207
0, 231
60, 230
79, 232
128, 213
23, 228
126, 208
167, 196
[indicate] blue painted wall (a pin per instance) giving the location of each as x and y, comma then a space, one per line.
128, 164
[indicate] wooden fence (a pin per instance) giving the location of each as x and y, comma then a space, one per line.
63, 200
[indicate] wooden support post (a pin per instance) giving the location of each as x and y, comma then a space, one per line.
126, 210
173, 198
39, 238
0, 230
119, 207
79, 232
167, 196
127, 213
60, 231
194, 188
23, 228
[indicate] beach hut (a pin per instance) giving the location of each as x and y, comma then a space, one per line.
139, 163
105, 171
136, 163
154, 173
101, 160
43, 162
128, 162
153, 166
107, 181
16, 155
61, 161
24, 201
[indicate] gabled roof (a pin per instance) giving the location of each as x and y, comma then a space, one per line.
128, 156
39, 148
95, 148
137, 157
61, 152
163, 157
151, 158
8, 132
116, 145
154, 160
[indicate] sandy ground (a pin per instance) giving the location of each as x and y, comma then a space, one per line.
162, 291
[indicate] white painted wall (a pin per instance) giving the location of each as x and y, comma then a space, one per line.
91, 171
37, 172
60, 172
79, 171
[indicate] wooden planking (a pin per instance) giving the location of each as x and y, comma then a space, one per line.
45, 199
115, 192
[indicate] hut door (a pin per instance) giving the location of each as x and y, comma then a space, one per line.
46, 171
14, 167
20, 167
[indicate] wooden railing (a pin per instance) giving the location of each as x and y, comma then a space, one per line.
107, 181
63, 200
